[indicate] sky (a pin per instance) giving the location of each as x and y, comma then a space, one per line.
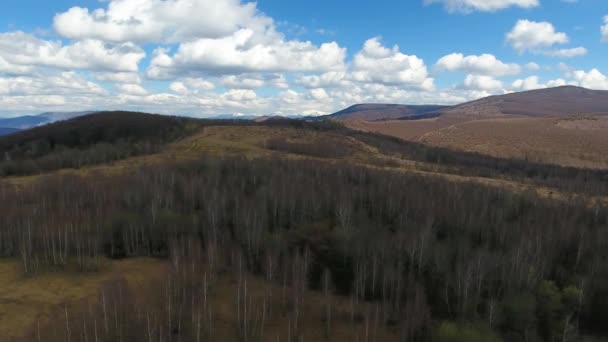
275, 57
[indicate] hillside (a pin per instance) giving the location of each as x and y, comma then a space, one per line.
293, 230
375, 112
552, 102
564, 125
90, 139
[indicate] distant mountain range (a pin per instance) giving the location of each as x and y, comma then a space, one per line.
15, 124
257, 117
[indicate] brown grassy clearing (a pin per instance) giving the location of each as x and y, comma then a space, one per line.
26, 302
573, 141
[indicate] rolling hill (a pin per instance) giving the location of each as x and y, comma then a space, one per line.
552, 102
563, 125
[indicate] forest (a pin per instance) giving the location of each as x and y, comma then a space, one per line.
392, 255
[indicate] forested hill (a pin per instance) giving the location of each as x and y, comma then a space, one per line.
291, 230
90, 139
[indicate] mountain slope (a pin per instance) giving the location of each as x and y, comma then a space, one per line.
374, 112
564, 125
551, 102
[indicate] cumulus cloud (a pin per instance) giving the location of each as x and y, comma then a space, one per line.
23, 49
7, 68
118, 77
485, 64
376, 68
376, 63
533, 82
467, 6
132, 89
63, 83
531, 35
477, 82
238, 53
191, 86
532, 66
330, 79
161, 20
592, 79
240, 95
529, 83
253, 81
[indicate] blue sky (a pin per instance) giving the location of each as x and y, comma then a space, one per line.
209, 57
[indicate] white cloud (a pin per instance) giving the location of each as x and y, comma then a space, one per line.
319, 94
330, 79
179, 87
240, 95
531, 35
376, 63
604, 30
253, 81
191, 86
118, 77
13, 69
485, 64
25, 103
239, 53
467, 6
529, 83
132, 89
477, 82
592, 79
532, 66
533, 82
374, 68
161, 20
566, 53
20, 48
64, 83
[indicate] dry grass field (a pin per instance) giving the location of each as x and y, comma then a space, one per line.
566, 126
27, 303
580, 141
